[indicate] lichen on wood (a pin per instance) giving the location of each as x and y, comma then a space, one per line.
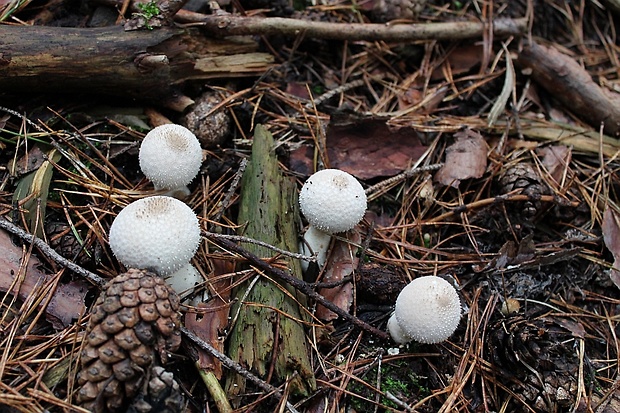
267, 329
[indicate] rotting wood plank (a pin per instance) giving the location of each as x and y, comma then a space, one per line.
267, 330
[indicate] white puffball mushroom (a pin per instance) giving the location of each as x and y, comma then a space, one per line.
427, 310
158, 233
170, 156
332, 201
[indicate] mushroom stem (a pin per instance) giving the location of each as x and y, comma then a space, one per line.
316, 242
184, 282
398, 334
181, 192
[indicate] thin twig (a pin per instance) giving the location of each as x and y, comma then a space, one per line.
231, 364
331, 93
298, 284
240, 238
231, 191
397, 401
497, 200
229, 25
22, 117
402, 176
50, 253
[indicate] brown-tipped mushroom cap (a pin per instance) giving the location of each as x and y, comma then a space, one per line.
428, 310
170, 156
157, 233
332, 201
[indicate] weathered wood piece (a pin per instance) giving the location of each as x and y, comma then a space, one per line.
229, 25
573, 86
267, 335
142, 64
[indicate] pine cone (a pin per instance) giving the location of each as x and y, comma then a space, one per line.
211, 130
524, 176
160, 394
133, 326
386, 10
64, 242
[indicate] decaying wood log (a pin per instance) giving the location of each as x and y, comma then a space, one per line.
143, 64
572, 86
268, 335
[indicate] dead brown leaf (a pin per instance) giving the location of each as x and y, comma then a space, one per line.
466, 158
555, 160
212, 320
298, 89
207, 325
460, 60
29, 162
511, 254
67, 302
369, 148
574, 327
301, 159
341, 263
611, 236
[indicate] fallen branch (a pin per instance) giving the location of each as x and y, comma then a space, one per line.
461, 209
271, 345
232, 25
141, 64
573, 86
228, 25
50, 253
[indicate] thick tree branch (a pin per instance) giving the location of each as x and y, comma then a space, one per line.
141, 64
573, 86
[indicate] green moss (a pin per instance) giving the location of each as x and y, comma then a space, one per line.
149, 10
397, 378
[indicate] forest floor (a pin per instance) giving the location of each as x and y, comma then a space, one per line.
490, 161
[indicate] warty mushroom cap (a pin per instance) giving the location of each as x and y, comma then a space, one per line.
170, 156
332, 201
428, 310
158, 233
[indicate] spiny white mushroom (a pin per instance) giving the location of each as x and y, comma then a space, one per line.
158, 233
170, 156
427, 310
332, 201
